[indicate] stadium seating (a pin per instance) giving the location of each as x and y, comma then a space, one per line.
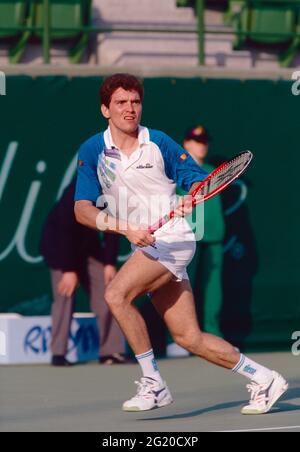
266, 22
69, 15
14, 15
273, 23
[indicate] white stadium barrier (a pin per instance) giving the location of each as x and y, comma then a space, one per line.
26, 340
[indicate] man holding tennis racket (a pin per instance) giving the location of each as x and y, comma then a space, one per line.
130, 171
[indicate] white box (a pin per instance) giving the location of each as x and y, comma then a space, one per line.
26, 340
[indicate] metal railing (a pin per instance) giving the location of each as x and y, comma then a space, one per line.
201, 30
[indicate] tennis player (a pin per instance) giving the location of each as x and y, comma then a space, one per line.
123, 170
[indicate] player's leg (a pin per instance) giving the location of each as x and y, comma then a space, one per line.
175, 303
139, 275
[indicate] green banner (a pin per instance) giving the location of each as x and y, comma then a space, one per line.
45, 119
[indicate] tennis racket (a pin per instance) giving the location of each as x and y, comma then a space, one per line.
213, 184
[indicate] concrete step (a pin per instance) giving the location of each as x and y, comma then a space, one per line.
125, 49
141, 11
169, 50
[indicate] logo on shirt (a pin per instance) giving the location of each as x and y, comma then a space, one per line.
107, 169
183, 156
80, 163
148, 165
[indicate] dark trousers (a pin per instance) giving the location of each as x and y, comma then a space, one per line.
111, 339
206, 280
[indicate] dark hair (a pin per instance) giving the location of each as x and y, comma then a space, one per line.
113, 82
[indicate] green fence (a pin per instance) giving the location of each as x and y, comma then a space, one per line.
273, 21
44, 120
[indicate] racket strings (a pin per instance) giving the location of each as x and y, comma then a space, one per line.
226, 173
219, 179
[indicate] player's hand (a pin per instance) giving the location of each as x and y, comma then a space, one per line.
68, 284
184, 206
109, 273
140, 236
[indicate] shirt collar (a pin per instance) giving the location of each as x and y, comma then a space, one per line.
143, 137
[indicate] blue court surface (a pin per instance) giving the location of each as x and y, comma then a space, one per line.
88, 398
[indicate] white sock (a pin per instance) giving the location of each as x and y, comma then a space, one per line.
148, 365
252, 370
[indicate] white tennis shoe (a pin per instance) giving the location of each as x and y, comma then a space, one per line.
150, 394
263, 396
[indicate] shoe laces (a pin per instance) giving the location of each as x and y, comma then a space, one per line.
145, 387
258, 393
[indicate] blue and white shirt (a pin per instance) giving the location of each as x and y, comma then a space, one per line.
141, 183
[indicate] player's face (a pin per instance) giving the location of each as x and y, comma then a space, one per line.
197, 150
124, 111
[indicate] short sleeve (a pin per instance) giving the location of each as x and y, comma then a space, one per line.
88, 186
179, 165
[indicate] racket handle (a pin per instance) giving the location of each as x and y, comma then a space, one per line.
161, 222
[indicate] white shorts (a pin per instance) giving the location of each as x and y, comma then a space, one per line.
174, 247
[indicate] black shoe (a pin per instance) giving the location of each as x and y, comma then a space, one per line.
60, 361
116, 358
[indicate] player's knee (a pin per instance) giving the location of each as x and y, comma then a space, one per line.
113, 298
190, 340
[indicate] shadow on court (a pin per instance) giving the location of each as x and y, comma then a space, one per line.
221, 406
293, 393
89, 398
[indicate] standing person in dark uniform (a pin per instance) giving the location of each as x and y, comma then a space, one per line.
209, 253
76, 256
